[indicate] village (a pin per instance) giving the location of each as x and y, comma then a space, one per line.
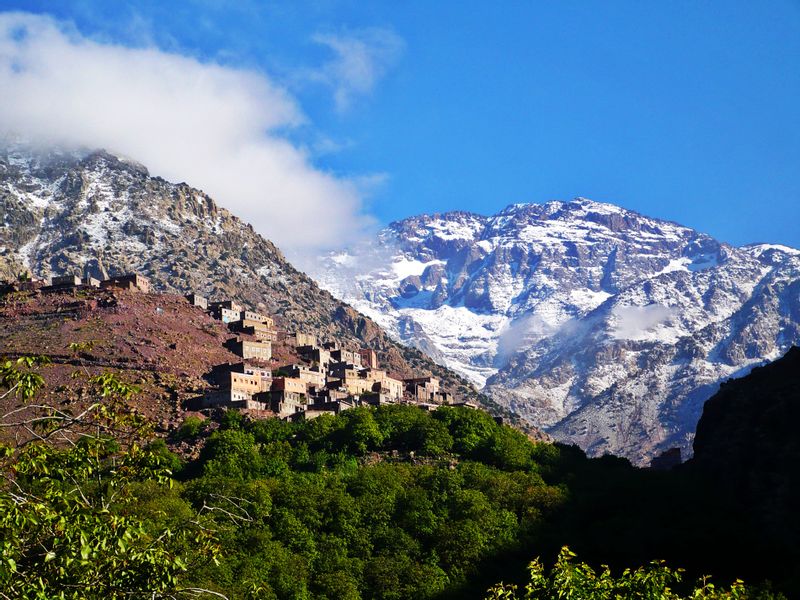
326, 377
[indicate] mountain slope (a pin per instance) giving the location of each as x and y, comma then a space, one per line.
606, 327
72, 212
747, 441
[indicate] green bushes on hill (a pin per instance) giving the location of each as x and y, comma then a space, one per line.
387, 503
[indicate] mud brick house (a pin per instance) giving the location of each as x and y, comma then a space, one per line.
229, 304
369, 358
356, 385
226, 311
245, 385
263, 372
378, 399
240, 384
305, 339
131, 281
260, 330
290, 385
65, 281
346, 356
312, 376
226, 315
389, 387
287, 396
247, 349
232, 399
197, 300
248, 315
315, 355
422, 389
342, 370
240, 392
317, 409
220, 373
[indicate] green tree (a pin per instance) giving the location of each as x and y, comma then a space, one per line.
65, 531
571, 580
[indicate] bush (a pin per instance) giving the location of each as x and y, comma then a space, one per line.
191, 427
570, 580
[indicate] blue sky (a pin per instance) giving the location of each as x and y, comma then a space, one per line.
682, 110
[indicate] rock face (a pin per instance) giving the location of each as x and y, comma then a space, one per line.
99, 214
605, 327
748, 428
747, 439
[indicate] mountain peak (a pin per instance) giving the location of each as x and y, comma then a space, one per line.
98, 212
104, 159
604, 325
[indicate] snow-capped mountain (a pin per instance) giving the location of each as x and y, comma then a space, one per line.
605, 327
75, 212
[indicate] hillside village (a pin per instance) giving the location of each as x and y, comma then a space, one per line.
324, 376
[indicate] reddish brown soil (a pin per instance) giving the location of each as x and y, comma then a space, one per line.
157, 341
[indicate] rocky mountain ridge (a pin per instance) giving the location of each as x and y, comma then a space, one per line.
606, 327
94, 212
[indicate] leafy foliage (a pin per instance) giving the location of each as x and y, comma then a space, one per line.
387, 503
570, 580
191, 427
68, 527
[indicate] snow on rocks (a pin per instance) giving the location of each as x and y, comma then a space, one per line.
608, 327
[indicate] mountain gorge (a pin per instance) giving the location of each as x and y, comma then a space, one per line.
99, 214
605, 327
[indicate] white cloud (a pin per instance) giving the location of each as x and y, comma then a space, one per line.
637, 322
217, 128
521, 334
360, 60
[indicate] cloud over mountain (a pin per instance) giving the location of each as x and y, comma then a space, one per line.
222, 129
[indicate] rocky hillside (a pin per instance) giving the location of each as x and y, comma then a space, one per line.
748, 430
98, 213
608, 328
747, 442
158, 342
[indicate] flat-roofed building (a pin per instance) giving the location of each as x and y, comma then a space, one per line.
312, 354
220, 374
65, 281
369, 358
287, 395
197, 300
342, 370
130, 281
232, 398
248, 349
229, 304
249, 382
312, 411
390, 387
226, 315
259, 330
249, 315
346, 356
356, 386
313, 376
422, 389
289, 384
305, 339
263, 372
